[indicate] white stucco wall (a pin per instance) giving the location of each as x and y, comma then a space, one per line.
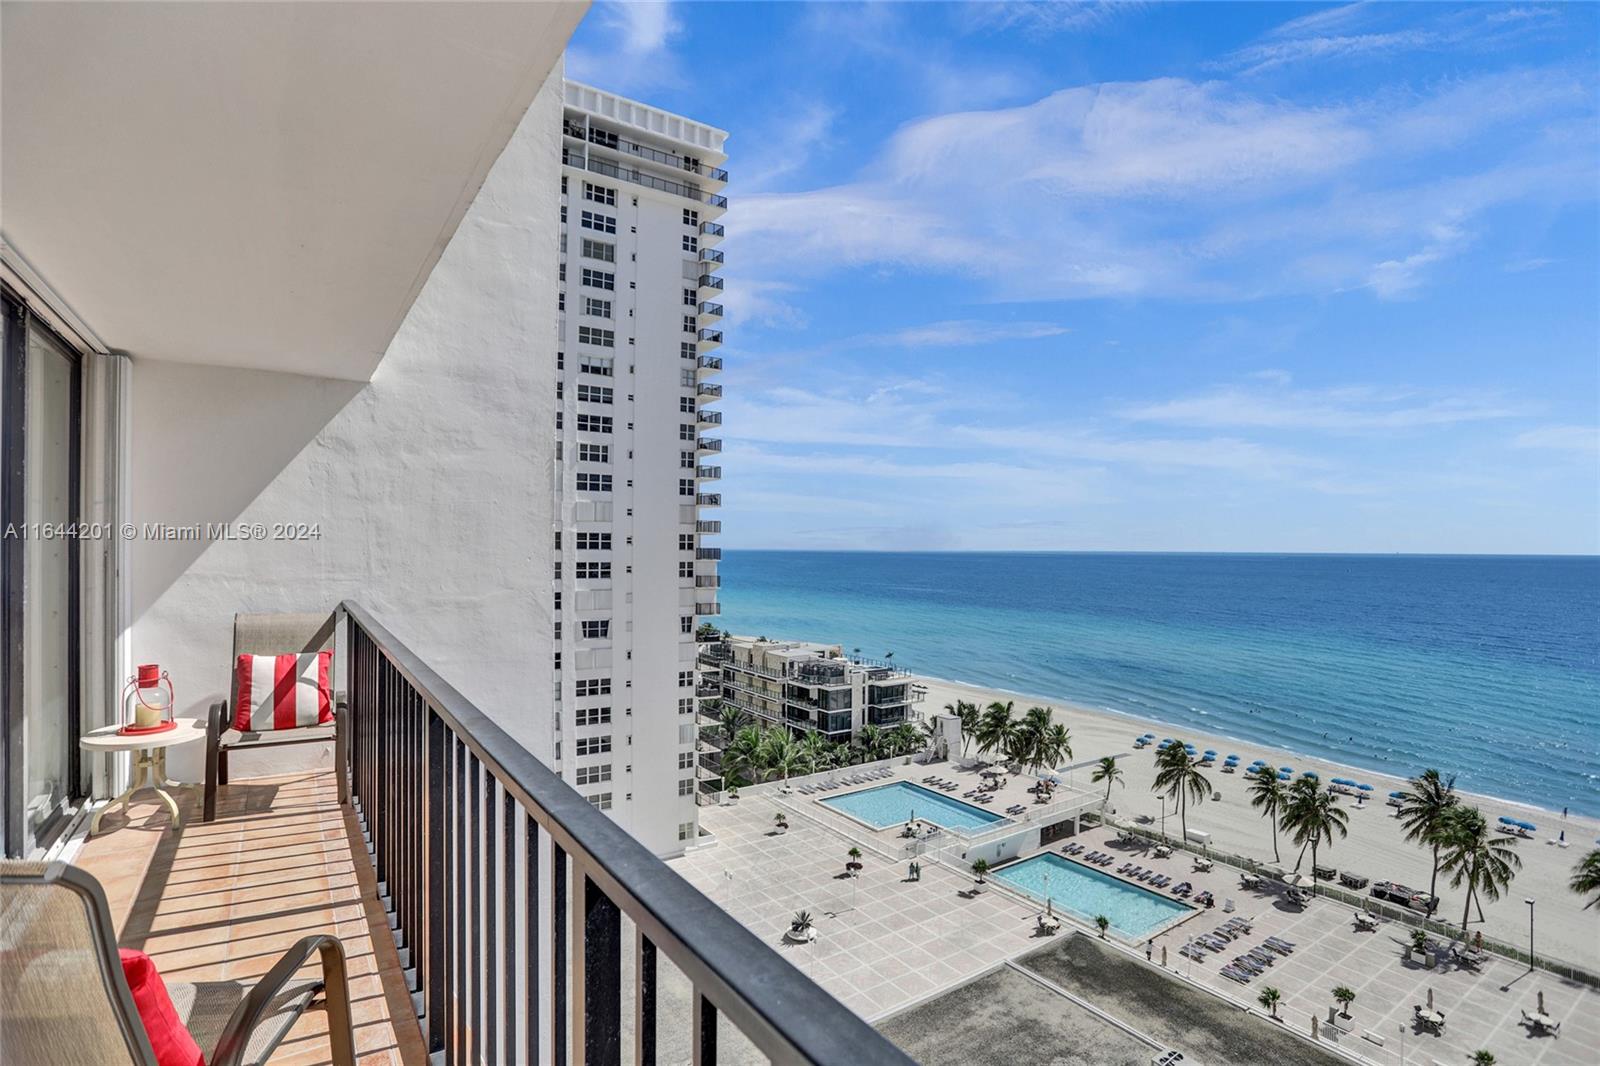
431, 484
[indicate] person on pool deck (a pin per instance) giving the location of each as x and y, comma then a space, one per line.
1149, 949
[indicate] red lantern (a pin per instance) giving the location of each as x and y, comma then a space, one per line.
145, 708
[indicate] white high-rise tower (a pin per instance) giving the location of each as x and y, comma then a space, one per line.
638, 448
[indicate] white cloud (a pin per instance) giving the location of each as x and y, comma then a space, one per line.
1582, 441
1177, 188
637, 54
1356, 409
958, 332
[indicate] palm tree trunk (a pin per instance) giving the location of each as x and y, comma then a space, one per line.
1301, 857
1275, 857
1466, 909
1313, 864
1433, 884
1183, 814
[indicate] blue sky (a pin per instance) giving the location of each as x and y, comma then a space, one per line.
1148, 277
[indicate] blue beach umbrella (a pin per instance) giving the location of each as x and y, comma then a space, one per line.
1397, 795
1529, 826
1211, 751
1284, 775
1285, 769
1311, 774
1365, 788
1149, 736
1506, 819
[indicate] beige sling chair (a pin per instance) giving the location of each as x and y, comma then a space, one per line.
272, 634
64, 1001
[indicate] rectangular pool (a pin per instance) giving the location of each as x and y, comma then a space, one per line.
1083, 892
901, 801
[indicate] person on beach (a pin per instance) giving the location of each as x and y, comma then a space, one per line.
1149, 949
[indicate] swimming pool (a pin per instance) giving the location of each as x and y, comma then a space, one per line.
900, 801
1135, 912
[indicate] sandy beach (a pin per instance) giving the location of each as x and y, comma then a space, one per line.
1375, 846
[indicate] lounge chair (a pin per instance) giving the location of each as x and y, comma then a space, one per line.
65, 998
1235, 974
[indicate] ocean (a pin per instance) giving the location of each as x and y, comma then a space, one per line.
1484, 667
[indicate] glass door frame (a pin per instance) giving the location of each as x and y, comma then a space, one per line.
19, 322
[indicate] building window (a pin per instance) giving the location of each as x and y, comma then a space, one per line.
605, 338
600, 194
685, 786
596, 221
691, 217
688, 350
594, 686
595, 393
598, 279
691, 243
685, 622
600, 136
557, 602
685, 431
594, 542
594, 423
689, 298
604, 251
602, 800
597, 308
690, 324
685, 678
686, 705
686, 486
592, 746
592, 571
594, 715
686, 460
595, 364
596, 629
593, 453
686, 405
594, 482
686, 569
558, 660
685, 830
686, 760
561, 301
590, 775
686, 542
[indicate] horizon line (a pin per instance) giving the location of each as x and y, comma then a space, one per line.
1177, 551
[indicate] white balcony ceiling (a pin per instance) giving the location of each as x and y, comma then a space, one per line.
255, 185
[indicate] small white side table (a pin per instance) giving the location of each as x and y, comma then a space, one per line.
149, 761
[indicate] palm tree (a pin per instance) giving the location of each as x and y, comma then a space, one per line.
731, 719
1476, 857
814, 754
1269, 999
1057, 745
995, 729
1269, 795
1312, 817
1586, 877
1427, 797
1108, 771
871, 740
1344, 995
905, 738
1180, 778
741, 759
780, 754
1033, 728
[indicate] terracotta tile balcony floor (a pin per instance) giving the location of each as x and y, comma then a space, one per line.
222, 901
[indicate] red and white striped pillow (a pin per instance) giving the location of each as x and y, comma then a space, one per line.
283, 692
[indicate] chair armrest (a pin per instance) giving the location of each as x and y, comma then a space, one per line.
341, 1034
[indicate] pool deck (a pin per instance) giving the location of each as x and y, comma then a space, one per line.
885, 942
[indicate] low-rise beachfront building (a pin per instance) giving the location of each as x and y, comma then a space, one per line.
811, 688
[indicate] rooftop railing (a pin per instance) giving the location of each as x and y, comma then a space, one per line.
507, 891
640, 177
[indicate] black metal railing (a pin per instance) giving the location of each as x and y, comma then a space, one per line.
708, 417
709, 362
706, 388
711, 229
710, 281
709, 444
506, 892
711, 255
708, 473
709, 308
708, 553
711, 336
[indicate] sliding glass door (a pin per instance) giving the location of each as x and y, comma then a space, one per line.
40, 408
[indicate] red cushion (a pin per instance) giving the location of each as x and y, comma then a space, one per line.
283, 691
172, 1043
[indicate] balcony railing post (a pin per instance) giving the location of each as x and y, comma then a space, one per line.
436, 908
458, 994
530, 919
558, 955
486, 950
644, 1000
705, 1031
602, 978
508, 921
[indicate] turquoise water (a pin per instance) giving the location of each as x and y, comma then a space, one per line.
898, 803
1485, 667
1085, 893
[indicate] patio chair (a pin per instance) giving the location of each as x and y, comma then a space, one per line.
272, 634
64, 999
